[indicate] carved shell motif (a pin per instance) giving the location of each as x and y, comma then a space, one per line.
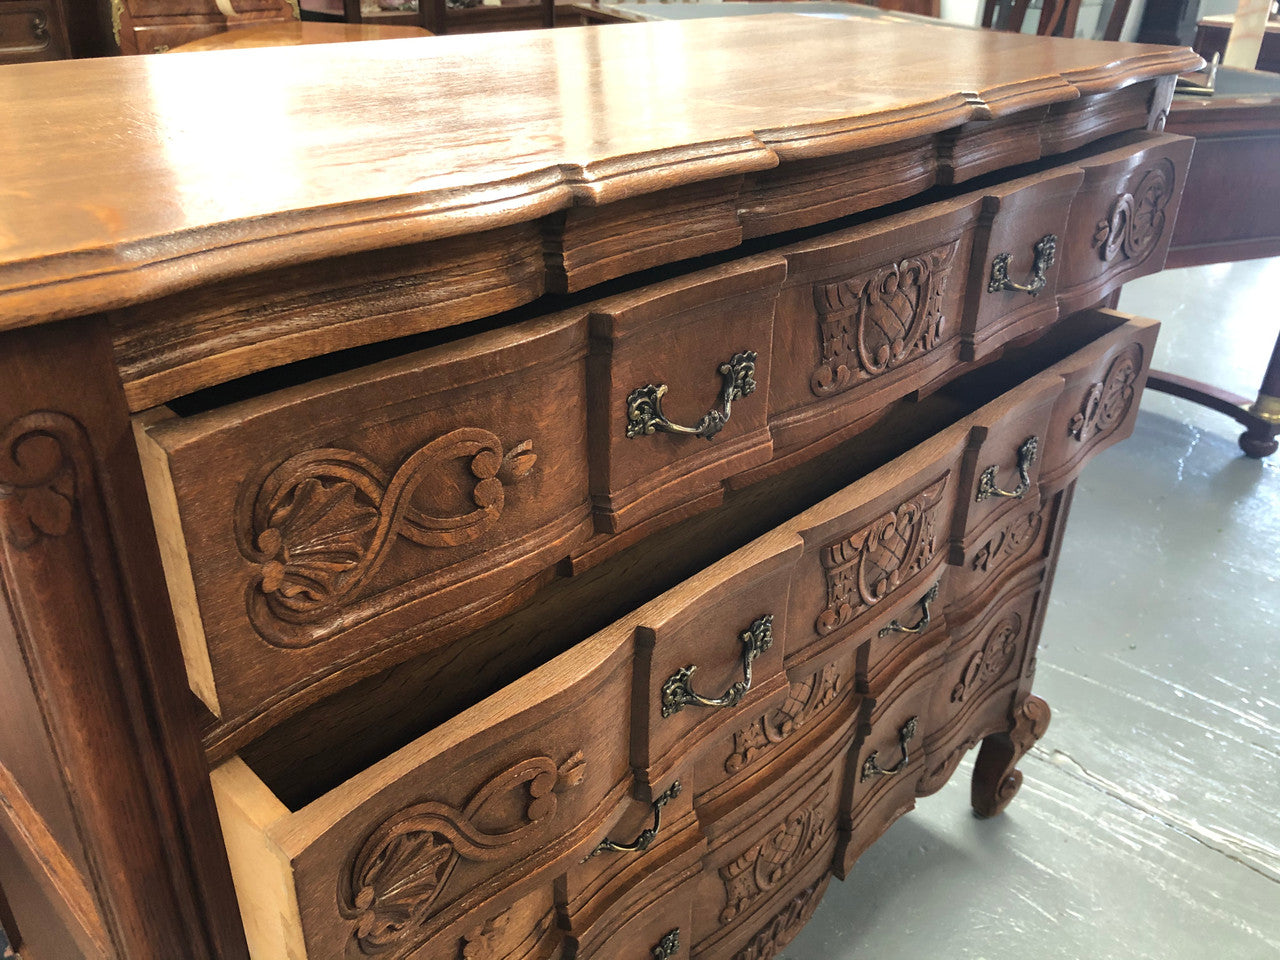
400, 872
324, 521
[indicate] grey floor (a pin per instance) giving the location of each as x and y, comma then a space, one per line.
1148, 823
1147, 826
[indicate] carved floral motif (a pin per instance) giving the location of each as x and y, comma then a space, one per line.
1010, 542
790, 845
868, 566
1137, 219
1106, 402
880, 319
805, 700
990, 663
323, 522
37, 478
783, 927
482, 942
401, 870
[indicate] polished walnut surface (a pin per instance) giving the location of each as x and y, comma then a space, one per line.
133, 177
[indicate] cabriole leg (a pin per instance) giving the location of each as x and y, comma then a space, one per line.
995, 779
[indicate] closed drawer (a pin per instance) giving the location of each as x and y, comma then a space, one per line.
312, 532
439, 840
1122, 217
776, 844
31, 30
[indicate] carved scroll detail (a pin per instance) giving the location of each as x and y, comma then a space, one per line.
37, 478
989, 663
1137, 219
323, 522
785, 925
805, 700
1107, 401
880, 319
1010, 542
405, 864
789, 846
868, 566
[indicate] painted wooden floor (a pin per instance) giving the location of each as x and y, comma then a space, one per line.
1147, 828
1148, 825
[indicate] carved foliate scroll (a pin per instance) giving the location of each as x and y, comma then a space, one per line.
37, 478
401, 870
990, 663
785, 925
1107, 402
1010, 542
1137, 220
868, 566
805, 701
792, 844
880, 319
323, 523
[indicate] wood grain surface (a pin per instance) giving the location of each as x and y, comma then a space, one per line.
126, 179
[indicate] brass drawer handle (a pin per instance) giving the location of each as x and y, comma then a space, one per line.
676, 693
871, 767
668, 946
1046, 250
925, 615
987, 486
644, 405
647, 835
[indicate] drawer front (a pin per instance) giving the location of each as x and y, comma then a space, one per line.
1122, 217
866, 316
710, 661
437, 841
680, 378
326, 528
1016, 265
31, 30
1099, 402
767, 851
880, 553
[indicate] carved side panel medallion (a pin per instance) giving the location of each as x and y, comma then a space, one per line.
868, 566
785, 925
805, 701
880, 319
789, 846
1107, 402
37, 478
1137, 220
404, 866
990, 663
323, 523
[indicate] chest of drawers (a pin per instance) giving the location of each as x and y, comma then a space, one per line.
569, 517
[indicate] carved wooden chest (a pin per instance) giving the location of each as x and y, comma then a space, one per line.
565, 496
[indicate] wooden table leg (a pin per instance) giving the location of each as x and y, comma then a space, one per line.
1261, 418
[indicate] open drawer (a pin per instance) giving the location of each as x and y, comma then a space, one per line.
501, 822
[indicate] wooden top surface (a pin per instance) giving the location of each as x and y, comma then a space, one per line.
289, 33
123, 179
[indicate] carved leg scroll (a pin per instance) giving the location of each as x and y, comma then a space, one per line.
995, 779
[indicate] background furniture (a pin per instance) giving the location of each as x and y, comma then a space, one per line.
295, 33
574, 541
1231, 211
1212, 33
